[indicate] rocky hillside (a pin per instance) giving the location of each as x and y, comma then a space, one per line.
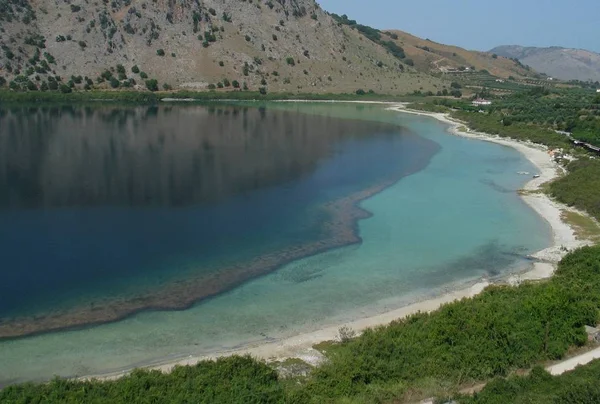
562, 63
278, 45
429, 56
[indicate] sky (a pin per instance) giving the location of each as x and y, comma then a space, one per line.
482, 24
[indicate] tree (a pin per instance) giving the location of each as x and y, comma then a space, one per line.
160, 52
2, 81
360, 91
135, 69
456, 85
290, 61
262, 90
152, 85
114, 83
65, 89
236, 84
143, 75
456, 93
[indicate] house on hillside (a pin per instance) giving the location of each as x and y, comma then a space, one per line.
481, 102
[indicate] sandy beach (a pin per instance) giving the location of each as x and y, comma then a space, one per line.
300, 346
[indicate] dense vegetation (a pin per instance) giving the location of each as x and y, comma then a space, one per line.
539, 387
536, 113
581, 187
503, 329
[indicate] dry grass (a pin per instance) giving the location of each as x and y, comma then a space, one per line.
585, 227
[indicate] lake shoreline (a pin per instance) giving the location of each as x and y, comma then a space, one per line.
564, 239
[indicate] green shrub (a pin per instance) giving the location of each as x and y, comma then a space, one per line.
152, 85
135, 69
160, 52
290, 61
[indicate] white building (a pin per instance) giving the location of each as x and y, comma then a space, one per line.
481, 101
598, 90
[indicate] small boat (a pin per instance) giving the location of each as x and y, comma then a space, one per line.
536, 176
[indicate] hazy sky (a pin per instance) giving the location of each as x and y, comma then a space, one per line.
482, 24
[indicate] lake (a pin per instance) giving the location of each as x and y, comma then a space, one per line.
134, 235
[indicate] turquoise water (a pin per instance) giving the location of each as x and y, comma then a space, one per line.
456, 220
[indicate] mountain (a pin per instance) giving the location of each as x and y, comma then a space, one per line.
562, 63
433, 57
282, 45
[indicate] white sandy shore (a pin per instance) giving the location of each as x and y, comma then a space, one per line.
301, 346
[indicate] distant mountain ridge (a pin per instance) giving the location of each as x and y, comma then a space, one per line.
555, 61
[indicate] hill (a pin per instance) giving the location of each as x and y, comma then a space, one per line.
282, 45
562, 63
433, 57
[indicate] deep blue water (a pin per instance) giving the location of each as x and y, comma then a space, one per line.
105, 202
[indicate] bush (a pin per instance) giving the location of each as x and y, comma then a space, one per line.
262, 90
160, 52
226, 83
152, 85
143, 75
360, 91
65, 89
290, 61
211, 86
114, 83
236, 84
135, 69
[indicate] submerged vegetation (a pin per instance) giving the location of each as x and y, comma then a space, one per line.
500, 331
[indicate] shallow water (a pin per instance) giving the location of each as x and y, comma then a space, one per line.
457, 219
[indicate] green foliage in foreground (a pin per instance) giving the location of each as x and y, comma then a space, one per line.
228, 380
497, 332
581, 186
539, 387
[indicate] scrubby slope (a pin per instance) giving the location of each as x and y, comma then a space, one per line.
284, 45
429, 56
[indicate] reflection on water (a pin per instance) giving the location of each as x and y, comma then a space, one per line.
66, 156
107, 211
